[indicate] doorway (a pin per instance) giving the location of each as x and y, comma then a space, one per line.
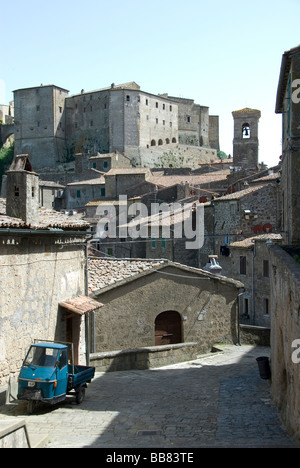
168, 328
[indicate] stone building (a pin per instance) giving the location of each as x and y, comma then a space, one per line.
138, 295
40, 124
288, 104
245, 142
52, 126
42, 264
250, 264
284, 260
254, 210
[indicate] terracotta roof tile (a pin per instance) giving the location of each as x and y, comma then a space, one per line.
105, 272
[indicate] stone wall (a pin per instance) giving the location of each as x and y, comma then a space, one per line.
285, 328
143, 358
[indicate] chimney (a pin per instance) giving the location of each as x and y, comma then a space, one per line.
22, 193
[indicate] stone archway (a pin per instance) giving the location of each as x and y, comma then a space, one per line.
168, 328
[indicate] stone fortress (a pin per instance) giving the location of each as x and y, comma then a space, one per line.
152, 130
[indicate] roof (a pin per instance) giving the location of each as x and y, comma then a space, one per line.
201, 179
51, 344
80, 305
21, 163
246, 110
48, 220
248, 243
130, 85
105, 274
240, 194
42, 86
283, 77
128, 171
175, 214
97, 181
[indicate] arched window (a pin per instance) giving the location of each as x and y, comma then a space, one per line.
246, 131
160, 142
153, 143
167, 141
173, 140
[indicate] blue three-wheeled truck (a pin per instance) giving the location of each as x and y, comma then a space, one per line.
47, 376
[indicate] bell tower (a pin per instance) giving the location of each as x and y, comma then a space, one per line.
245, 142
22, 197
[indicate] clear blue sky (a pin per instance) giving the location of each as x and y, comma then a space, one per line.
223, 54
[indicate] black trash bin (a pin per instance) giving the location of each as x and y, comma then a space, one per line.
264, 367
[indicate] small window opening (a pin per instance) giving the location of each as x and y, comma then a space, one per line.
17, 191
246, 131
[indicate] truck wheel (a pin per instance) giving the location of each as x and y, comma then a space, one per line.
80, 395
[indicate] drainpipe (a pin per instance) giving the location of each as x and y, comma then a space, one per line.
253, 285
238, 319
87, 316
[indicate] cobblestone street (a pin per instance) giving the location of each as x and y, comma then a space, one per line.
217, 400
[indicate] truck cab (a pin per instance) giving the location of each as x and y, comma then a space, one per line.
44, 374
47, 376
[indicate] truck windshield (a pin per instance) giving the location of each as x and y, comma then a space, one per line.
41, 357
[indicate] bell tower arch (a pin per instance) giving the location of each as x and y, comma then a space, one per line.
245, 142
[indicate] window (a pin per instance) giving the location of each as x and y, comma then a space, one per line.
153, 243
246, 307
170, 108
94, 165
164, 122
127, 98
164, 106
103, 192
156, 104
243, 265
188, 119
246, 131
163, 243
147, 102
156, 121
266, 268
266, 306
60, 109
105, 164
63, 361
78, 194
170, 124
17, 191
92, 123
38, 108
32, 192
233, 208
